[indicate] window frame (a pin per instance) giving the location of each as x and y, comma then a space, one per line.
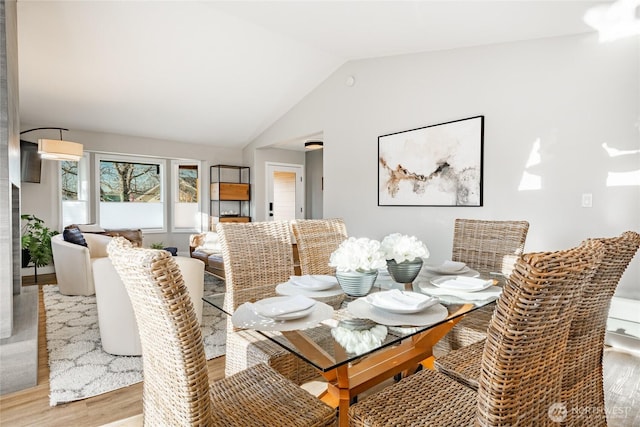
84, 188
175, 192
133, 159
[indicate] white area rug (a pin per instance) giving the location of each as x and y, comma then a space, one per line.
78, 366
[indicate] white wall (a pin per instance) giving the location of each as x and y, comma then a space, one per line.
43, 199
313, 190
258, 176
571, 93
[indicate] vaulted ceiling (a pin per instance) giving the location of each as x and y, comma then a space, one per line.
221, 72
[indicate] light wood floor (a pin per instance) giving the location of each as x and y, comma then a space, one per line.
31, 407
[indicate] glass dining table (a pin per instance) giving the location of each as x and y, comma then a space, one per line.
355, 354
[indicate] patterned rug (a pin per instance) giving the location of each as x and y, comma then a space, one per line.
78, 366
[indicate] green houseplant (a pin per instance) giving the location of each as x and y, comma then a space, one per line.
36, 241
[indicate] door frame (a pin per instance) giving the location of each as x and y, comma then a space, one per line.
300, 186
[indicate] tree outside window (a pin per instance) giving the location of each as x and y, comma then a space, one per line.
69, 171
74, 191
129, 182
188, 183
131, 192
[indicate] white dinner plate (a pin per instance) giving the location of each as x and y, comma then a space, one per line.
289, 288
491, 293
314, 282
439, 270
425, 273
441, 282
384, 301
362, 309
245, 317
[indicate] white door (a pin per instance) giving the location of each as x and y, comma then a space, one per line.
285, 192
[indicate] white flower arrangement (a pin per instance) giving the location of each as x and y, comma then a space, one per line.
358, 342
401, 248
358, 254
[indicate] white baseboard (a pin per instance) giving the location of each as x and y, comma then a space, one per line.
623, 325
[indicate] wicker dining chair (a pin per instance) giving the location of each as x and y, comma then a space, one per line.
521, 377
582, 373
176, 389
489, 247
317, 239
257, 257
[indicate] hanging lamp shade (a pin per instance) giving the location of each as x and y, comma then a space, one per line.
58, 149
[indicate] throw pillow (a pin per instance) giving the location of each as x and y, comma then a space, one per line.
73, 235
211, 237
211, 244
90, 228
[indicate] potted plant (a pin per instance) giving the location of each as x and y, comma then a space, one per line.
357, 261
171, 249
404, 256
36, 242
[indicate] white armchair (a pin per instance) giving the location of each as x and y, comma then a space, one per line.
116, 319
73, 263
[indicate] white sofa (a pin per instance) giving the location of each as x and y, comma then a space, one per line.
73, 263
116, 320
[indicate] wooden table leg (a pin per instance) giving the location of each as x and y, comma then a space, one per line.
347, 381
344, 395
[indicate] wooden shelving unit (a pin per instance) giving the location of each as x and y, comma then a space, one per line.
230, 194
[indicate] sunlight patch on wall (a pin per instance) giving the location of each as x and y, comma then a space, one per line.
616, 20
619, 179
614, 152
530, 181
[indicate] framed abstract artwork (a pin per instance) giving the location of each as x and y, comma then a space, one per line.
437, 165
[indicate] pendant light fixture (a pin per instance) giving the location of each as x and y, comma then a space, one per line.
313, 145
54, 149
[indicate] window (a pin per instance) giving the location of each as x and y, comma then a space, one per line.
186, 196
74, 187
131, 192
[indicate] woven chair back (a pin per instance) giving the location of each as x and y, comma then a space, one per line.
582, 386
521, 374
176, 383
489, 246
316, 240
257, 256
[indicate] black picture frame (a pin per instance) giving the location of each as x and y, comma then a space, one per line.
435, 165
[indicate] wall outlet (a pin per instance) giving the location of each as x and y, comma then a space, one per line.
587, 200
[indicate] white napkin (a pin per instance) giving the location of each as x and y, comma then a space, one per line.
282, 305
314, 282
397, 299
463, 283
451, 266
